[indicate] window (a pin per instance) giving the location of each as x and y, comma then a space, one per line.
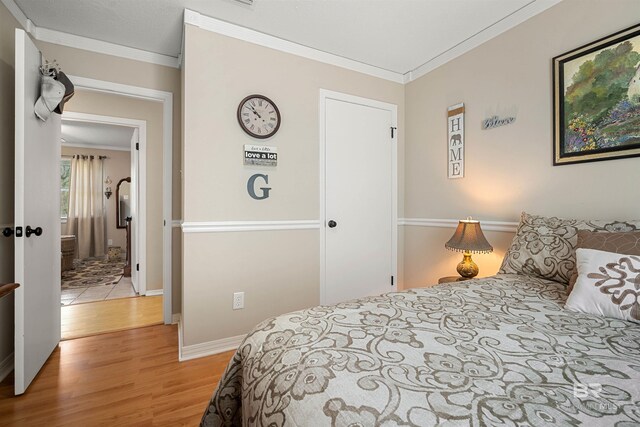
65, 180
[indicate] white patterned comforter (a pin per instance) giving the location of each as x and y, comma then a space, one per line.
498, 351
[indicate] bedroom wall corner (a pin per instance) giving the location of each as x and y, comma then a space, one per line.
83, 63
277, 269
508, 169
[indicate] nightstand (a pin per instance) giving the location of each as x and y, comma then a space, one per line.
451, 279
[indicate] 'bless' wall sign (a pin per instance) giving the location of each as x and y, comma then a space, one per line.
495, 121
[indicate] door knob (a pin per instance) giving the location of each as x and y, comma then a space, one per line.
37, 231
332, 224
7, 232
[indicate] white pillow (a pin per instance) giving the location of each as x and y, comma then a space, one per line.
608, 285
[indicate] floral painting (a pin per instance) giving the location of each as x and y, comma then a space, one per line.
597, 100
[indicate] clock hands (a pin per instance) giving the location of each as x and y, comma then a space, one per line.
255, 112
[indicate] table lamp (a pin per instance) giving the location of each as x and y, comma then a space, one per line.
468, 239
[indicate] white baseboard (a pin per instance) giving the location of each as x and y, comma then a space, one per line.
175, 319
6, 366
188, 352
153, 292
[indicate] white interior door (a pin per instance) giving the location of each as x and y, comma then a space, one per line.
37, 204
360, 198
134, 195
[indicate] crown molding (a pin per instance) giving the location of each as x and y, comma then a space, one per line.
527, 11
242, 33
85, 43
531, 9
106, 48
19, 15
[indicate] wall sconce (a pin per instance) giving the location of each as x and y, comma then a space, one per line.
107, 191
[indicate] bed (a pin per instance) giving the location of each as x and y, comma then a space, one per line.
496, 351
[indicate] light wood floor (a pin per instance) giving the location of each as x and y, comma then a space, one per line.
98, 317
119, 379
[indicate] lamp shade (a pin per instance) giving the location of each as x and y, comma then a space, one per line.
469, 237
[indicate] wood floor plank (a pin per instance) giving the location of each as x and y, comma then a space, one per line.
127, 378
81, 320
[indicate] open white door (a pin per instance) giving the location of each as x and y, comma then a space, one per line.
37, 204
134, 195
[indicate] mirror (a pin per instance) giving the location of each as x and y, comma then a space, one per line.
123, 202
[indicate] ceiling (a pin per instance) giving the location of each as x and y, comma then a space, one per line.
96, 135
394, 35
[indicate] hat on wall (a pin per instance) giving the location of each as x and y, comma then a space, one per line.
51, 93
69, 90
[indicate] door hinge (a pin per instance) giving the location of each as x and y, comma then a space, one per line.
393, 130
391, 280
137, 267
137, 146
164, 222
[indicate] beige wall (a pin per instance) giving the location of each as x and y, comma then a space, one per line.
508, 169
121, 106
117, 165
277, 270
7, 117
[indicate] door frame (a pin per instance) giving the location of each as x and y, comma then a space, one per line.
166, 98
393, 109
139, 184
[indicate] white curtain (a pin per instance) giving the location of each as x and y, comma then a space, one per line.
86, 206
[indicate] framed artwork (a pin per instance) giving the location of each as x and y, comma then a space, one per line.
596, 100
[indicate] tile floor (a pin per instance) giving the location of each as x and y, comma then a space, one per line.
122, 289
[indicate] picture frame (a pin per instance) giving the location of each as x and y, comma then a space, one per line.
596, 100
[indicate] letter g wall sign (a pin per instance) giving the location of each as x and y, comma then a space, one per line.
251, 186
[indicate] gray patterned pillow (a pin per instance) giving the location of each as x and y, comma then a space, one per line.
546, 246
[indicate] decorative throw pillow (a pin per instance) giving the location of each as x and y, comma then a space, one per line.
620, 243
608, 285
545, 246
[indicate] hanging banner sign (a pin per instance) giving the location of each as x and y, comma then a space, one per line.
455, 132
260, 155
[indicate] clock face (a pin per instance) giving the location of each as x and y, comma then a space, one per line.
258, 116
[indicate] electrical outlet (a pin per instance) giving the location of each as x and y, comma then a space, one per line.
238, 300
110, 242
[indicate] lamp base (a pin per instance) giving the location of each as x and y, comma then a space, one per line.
467, 268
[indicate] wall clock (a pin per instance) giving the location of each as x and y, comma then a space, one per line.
258, 116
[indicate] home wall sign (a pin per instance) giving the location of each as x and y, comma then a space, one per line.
251, 187
455, 132
260, 155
